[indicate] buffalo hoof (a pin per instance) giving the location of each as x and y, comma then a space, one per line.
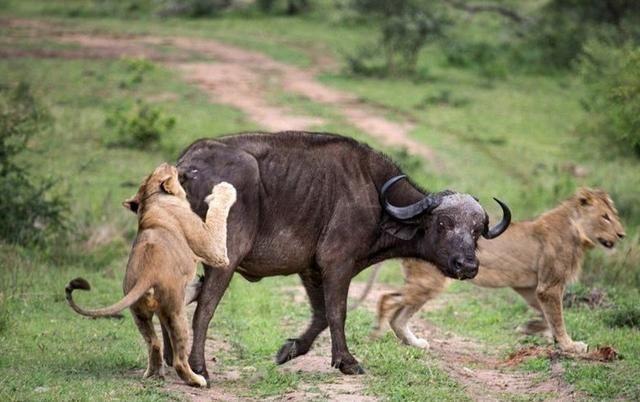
200, 370
348, 366
351, 369
290, 349
168, 359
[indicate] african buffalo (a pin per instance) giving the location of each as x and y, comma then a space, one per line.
324, 207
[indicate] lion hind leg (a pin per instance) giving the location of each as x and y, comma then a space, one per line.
400, 326
177, 327
387, 305
144, 322
538, 326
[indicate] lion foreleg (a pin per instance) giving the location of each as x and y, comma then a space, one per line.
550, 298
209, 240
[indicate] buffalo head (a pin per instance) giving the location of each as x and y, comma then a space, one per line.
448, 225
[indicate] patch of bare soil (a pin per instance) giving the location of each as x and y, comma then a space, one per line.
340, 387
484, 376
236, 77
603, 354
219, 389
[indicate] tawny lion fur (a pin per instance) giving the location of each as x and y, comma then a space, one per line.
171, 240
536, 258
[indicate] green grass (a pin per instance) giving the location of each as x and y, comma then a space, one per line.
510, 138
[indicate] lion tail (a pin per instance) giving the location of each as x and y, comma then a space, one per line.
112, 311
367, 289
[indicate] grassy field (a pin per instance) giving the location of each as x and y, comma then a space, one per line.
514, 137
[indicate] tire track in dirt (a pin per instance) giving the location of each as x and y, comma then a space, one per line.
233, 76
484, 377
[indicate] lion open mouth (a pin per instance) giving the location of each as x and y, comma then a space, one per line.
606, 243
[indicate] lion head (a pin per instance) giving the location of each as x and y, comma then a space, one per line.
163, 180
597, 218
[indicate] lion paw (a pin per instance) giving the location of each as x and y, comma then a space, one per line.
574, 347
199, 381
420, 343
223, 194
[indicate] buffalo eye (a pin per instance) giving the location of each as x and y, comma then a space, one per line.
445, 223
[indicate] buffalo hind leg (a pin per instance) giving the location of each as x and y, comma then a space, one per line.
214, 285
312, 282
336, 289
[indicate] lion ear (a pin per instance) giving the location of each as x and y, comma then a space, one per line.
585, 196
171, 185
132, 204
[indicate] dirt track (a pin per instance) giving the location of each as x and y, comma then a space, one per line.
233, 76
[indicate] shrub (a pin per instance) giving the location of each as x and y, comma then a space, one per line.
563, 26
136, 69
194, 8
140, 126
290, 7
405, 27
27, 212
612, 78
627, 315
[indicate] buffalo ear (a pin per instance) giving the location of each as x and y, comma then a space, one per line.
171, 185
400, 230
132, 204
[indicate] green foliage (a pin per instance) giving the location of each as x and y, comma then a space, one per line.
194, 8
405, 27
290, 7
136, 70
563, 26
102, 8
612, 78
27, 213
626, 315
140, 125
489, 60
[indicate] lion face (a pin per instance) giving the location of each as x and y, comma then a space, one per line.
598, 217
164, 180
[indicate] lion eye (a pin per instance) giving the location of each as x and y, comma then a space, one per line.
606, 217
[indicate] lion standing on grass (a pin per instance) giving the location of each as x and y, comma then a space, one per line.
171, 240
536, 258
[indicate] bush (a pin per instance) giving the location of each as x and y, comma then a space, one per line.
136, 69
405, 27
27, 213
139, 126
290, 7
627, 315
612, 78
563, 26
194, 8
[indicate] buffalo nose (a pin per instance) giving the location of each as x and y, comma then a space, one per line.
465, 267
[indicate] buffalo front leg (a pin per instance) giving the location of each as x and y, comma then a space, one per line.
312, 282
336, 289
214, 285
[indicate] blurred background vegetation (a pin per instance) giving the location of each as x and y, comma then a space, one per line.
524, 100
